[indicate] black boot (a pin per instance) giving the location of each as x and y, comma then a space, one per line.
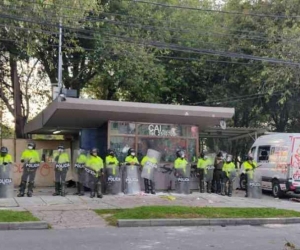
230, 190
81, 189
57, 189
223, 187
92, 195
209, 187
30, 189
22, 189
63, 189
201, 186
78, 189
98, 190
151, 187
146, 186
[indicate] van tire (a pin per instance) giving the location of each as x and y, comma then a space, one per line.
276, 190
243, 182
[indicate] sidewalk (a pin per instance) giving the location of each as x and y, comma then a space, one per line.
76, 211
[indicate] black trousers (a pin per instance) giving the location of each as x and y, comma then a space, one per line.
61, 175
28, 174
218, 177
149, 186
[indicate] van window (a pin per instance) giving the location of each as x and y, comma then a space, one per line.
253, 151
263, 153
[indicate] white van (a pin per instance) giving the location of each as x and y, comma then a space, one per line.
278, 159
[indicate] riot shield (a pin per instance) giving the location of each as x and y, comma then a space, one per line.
89, 176
148, 170
232, 176
209, 173
132, 183
113, 179
6, 181
149, 167
254, 184
81, 173
182, 183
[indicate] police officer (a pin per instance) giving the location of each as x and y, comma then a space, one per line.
201, 170
228, 167
31, 159
180, 161
131, 158
95, 163
62, 164
111, 163
79, 166
5, 157
149, 184
218, 172
250, 165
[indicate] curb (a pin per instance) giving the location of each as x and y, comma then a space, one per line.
29, 225
207, 222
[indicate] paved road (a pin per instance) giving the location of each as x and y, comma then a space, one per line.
186, 238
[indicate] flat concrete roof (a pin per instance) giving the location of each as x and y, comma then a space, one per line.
232, 133
74, 114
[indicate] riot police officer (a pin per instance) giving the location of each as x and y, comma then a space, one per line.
112, 173
5, 157
218, 172
229, 176
250, 165
149, 182
131, 158
95, 164
62, 164
31, 159
201, 170
79, 166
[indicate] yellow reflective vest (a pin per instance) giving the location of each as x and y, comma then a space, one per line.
111, 162
7, 158
61, 158
95, 163
228, 167
180, 163
131, 159
30, 156
81, 159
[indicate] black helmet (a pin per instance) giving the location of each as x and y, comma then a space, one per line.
220, 154
111, 151
31, 144
94, 150
61, 147
202, 154
179, 153
250, 157
4, 150
130, 151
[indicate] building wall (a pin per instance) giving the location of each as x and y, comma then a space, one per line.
45, 173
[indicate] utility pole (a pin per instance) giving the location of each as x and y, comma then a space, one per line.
60, 58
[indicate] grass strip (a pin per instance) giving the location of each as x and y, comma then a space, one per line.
182, 212
16, 216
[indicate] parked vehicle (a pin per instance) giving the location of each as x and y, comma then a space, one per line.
278, 158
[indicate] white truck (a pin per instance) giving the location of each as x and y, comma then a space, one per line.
278, 159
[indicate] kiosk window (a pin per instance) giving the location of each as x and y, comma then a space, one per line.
263, 153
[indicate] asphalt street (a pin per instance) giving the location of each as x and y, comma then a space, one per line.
186, 238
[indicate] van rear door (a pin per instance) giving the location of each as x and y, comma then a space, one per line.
294, 172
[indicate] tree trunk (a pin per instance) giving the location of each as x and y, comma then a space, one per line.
20, 120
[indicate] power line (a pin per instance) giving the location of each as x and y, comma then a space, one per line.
244, 97
96, 18
215, 11
149, 27
168, 46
